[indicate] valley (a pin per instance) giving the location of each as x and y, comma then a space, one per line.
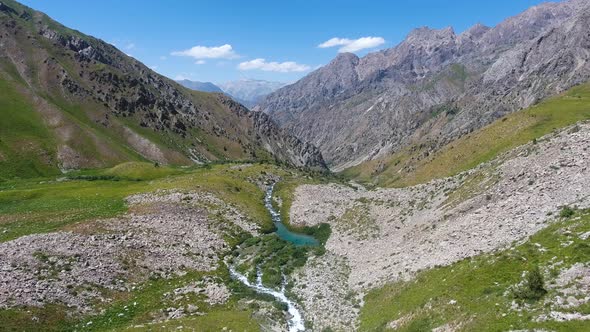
441, 184
155, 231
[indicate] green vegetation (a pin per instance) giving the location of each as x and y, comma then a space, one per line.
476, 294
26, 146
533, 288
28, 208
39, 206
273, 256
142, 171
416, 165
566, 212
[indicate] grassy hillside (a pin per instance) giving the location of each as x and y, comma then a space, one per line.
26, 146
71, 101
411, 166
477, 294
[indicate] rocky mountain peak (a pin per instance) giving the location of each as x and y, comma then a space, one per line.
475, 32
428, 35
532, 22
344, 59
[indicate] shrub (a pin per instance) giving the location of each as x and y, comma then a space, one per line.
566, 212
533, 288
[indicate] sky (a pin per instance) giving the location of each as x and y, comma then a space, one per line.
223, 40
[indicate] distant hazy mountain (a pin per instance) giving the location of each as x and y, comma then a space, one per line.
249, 92
200, 86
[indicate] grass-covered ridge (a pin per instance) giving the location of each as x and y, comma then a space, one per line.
477, 294
410, 167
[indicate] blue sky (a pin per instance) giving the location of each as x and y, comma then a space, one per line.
277, 40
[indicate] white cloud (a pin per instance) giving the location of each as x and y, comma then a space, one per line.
353, 45
180, 77
163, 57
130, 46
281, 67
204, 52
153, 67
200, 62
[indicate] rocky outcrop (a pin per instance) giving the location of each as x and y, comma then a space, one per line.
169, 234
435, 85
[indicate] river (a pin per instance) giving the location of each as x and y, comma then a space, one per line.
295, 322
282, 231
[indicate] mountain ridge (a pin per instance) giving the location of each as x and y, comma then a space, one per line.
96, 107
394, 97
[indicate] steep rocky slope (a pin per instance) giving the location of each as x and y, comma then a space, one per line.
72, 101
435, 85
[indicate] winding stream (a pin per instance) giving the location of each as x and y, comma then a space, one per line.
295, 322
282, 231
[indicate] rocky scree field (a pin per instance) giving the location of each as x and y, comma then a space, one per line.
386, 236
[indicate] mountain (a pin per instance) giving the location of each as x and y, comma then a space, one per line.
72, 101
200, 86
248, 91
436, 85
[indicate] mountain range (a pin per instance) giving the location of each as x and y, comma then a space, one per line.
72, 101
246, 91
436, 85
249, 91
130, 201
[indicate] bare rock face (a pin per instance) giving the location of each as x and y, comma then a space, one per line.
360, 109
